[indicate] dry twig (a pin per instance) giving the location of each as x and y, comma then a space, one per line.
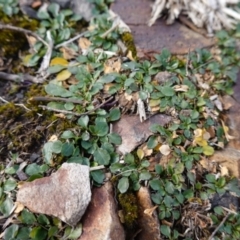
219, 226
74, 113
9, 27
54, 99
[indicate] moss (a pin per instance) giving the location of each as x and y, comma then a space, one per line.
128, 203
128, 40
13, 41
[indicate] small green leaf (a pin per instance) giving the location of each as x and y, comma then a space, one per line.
114, 114
27, 217
101, 126
52, 231
116, 167
152, 142
101, 156
67, 149
188, 193
155, 184
145, 175
43, 15
218, 210
129, 158
68, 134
115, 138
54, 9
47, 152
42, 219
208, 150
38, 233
83, 121
11, 232
57, 146
75, 232
123, 184
98, 176
23, 233
167, 91
165, 230
56, 90
6, 207
169, 187
32, 169
9, 185
211, 178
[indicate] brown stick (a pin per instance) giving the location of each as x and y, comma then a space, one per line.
54, 99
189, 24
74, 113
9, 27
19, 78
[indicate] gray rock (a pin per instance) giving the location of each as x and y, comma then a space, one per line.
65, 194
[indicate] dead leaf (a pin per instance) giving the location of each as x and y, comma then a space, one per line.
53, 138
19, 207
112, 65
165, 149
121, 216
60, 115
224, 171
149, 211
181, 88
130, 56
84, 44
63, 75
68, 53
146, 150
226, 130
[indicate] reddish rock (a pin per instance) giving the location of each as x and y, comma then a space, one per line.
148, 219
65, 194
176, 37
134, 132
101, 221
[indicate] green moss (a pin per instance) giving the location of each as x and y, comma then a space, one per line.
128, 203
14, 41
128, 40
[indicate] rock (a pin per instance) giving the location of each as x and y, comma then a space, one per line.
101, 221
176, 37
65, 194
230, 156
148, 218
133, 132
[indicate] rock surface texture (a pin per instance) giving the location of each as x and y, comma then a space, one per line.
134, 132
148, 218
65, 194
101, 221
176, 37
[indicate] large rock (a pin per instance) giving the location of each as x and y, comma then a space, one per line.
65, 194
176, 37
101, 221
148, 219
134, 132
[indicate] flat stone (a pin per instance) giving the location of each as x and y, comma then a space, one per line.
148, 218
176, 37
133, 132
65, 194
101, 221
